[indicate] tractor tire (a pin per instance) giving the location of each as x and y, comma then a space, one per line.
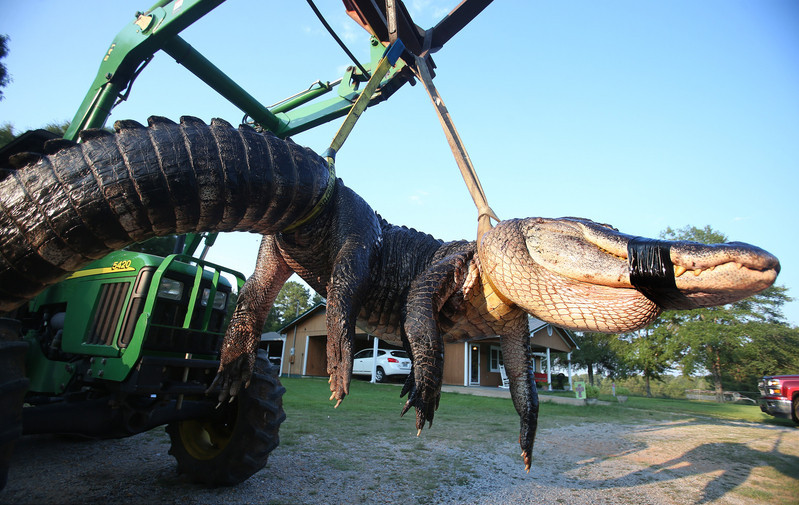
13, 385
228, 449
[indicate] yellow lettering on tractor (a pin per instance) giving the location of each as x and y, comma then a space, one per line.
116, 267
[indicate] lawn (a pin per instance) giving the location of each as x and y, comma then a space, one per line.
381, 404
749, 412
728, 411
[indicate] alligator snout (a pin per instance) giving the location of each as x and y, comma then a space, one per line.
612, 282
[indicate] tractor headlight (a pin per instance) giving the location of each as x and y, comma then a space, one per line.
170, 289
220, 299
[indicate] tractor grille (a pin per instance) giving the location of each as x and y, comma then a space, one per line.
136, 306
167, 334
106, 315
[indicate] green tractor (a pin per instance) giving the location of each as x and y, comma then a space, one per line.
131, 341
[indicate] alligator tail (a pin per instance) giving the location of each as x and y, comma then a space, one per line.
78, 202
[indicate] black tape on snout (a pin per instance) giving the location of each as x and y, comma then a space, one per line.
652, 273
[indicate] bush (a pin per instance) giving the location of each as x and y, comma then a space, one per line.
591, 391
621, 390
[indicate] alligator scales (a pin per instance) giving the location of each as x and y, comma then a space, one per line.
78, 202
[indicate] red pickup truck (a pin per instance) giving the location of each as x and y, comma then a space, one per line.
779, 396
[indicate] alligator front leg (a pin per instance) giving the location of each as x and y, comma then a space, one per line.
427, 294
518, 360
240, 344
348, 283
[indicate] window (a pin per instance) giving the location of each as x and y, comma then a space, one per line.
494, 358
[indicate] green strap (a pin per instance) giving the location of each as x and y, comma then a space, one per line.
331, 184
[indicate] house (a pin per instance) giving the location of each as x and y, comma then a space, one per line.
273, 344
473, 363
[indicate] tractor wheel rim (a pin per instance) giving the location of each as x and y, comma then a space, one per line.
204, 439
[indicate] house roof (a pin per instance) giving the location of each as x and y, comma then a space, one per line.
305, 315
554, 337
272, 335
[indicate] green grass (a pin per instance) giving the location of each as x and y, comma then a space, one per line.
371, 408
724, 411
376, 407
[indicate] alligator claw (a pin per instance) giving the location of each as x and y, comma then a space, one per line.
425, 404
339, 388
231, 377
528, 460
526, 442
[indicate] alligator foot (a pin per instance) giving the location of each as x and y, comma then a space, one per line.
526, 441
339, 386
527, 456
232, 377
425, 402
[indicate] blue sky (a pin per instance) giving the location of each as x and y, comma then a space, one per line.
642, 115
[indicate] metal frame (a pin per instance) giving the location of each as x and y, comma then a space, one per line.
159, 29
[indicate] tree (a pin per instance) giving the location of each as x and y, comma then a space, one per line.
6, 133
647, 351
5, 78
292, 300
773, 350
722, 340
595, 350
59, 128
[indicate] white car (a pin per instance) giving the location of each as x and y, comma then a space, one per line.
389, 362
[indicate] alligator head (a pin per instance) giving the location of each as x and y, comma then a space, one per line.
583, 275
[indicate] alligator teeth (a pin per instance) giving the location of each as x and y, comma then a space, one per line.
697, 272
678, 270
739, 265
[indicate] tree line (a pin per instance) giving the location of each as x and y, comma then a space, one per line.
732, 346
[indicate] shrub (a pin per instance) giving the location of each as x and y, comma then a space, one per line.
591, 391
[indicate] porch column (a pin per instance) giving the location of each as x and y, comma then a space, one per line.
466, 363
374, 358
569, 359
549, 371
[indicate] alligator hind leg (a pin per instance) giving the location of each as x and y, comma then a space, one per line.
517, 356
240, 344
427, 294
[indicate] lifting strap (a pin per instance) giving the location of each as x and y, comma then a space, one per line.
388, 60
484, 212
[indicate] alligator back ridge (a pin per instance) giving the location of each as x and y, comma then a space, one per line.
85, 200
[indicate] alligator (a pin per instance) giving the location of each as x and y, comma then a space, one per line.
77, 202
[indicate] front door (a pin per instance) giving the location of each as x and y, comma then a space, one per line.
474, 365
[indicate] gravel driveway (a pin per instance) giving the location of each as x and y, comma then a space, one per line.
691, 461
